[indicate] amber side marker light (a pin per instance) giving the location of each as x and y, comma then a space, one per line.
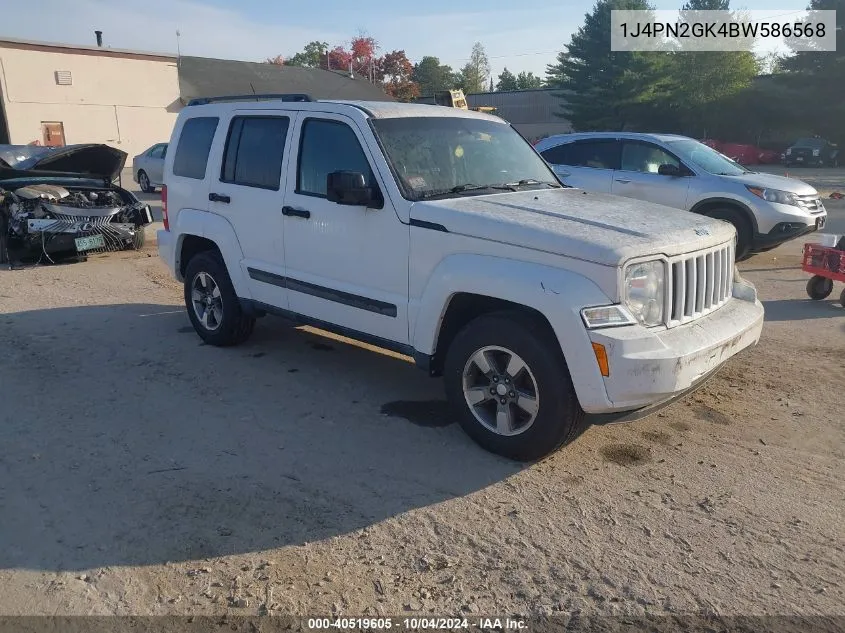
601, 359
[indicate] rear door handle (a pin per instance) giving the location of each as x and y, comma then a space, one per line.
216, 197
299, 213
623, 180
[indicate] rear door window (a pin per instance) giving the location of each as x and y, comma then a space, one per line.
254, 151
597, 154
191, 158
645, 157
558, 155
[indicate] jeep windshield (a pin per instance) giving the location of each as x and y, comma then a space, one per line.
707, 158
435, 157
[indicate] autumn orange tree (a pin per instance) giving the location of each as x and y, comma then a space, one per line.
392, 71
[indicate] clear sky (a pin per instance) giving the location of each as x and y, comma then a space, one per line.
522, 35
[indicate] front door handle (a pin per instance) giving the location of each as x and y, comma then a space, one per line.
299, 213
623, 180
216, 197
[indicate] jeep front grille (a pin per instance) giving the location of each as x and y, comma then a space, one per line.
699, 283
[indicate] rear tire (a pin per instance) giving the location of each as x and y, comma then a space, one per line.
213, 307
144, 182
819, 287
543, 385
744, 230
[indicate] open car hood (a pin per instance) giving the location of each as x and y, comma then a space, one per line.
86, 160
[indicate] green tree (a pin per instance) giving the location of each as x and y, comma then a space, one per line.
312, 56
702, 83
528, 81
430, 75
507, 81
605, 89
819, 76
476, 72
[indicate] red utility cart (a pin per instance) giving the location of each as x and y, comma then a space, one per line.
826, 264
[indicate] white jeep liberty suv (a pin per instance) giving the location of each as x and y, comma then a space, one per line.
441, 234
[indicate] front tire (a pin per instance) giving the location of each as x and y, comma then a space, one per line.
744, 230
819, 287
213, 307
509, 386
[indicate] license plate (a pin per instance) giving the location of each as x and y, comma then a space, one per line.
89, 242
800, 159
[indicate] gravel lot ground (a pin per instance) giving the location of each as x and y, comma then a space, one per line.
142, 472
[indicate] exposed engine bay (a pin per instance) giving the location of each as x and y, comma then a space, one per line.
40, 220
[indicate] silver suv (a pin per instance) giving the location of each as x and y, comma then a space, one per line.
680, 172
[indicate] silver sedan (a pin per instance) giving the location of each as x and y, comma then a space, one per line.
148, 167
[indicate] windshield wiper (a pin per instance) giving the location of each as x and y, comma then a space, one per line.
533, 181
472, 187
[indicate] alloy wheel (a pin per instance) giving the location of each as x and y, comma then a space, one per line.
206, 301
501, 391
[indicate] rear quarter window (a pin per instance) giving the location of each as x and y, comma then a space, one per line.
191, 158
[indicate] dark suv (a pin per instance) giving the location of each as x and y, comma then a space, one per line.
812, 151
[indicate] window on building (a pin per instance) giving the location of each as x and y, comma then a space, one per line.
254, 151
194, 144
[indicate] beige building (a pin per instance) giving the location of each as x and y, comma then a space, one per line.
55, 94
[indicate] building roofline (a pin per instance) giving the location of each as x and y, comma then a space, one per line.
58, 47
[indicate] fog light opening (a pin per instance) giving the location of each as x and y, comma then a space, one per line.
601, 359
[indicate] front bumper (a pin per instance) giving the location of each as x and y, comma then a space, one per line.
779, 223
650, 367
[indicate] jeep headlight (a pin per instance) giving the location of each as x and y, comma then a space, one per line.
774, 195
644, 291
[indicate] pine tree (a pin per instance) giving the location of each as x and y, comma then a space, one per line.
604, 89
507, 81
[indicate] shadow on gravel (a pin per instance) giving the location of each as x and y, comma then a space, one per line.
124, 441
801, 309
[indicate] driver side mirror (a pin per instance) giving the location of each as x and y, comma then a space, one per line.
670, 170
350, 188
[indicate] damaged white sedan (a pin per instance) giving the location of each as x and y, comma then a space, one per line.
63, 202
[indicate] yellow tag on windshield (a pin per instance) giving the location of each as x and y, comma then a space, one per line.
459, 151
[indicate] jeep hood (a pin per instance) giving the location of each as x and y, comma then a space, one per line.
771, 181
85, 160
601, 228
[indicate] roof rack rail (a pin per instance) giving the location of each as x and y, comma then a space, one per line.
262, 97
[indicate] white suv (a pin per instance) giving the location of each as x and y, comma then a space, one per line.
441, 234
766, 210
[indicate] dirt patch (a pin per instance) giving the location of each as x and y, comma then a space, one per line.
432, 413
626, 454
679, 425
709, 414
658, 437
